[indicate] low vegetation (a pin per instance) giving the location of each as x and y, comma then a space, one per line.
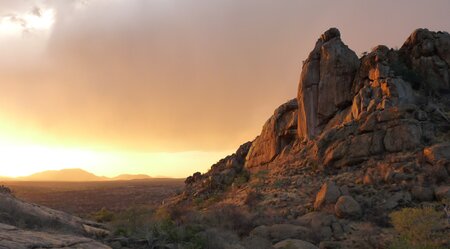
418, 228
84, 198
189, 228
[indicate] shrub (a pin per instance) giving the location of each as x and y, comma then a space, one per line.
261, 179
253, 198
229, 217
134, 222
418, 228
103, 215
6, 190
241, 179
281, 183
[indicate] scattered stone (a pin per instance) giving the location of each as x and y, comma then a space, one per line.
278, 232
329, 245
437, 152
399, 198
347, 207
422, 193
442, 193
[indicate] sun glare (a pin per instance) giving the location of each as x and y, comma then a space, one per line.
21, 160
21, 23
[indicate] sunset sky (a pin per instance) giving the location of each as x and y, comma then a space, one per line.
165, 87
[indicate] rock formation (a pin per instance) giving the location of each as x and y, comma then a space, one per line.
277, 133
367, 136
26, 225
221, 175
13, 237
325, 83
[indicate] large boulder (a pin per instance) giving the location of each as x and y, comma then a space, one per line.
442, 193
328, 194
428, 54
294, 244
347, 207
437, 152
277, 133
325, 83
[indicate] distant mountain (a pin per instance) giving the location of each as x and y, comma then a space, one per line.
64, 175
74, 175
125, 177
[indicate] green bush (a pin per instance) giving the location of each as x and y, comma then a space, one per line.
419, 228
135, 222
241, 179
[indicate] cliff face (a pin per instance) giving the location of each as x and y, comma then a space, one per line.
325, 83
278, 132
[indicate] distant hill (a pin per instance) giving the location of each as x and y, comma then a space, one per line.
64, 175
74, 175
125, 177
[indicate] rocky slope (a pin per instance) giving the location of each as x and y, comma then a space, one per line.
26, 225
365, 136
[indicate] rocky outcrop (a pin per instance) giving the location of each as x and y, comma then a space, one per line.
325, 83
390, 111
26, 215
13, 237
20, 222
373, 136
277, 133
220, 176
428, 55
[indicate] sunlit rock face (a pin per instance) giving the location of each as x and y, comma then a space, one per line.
325, 83
398, 103
277, 133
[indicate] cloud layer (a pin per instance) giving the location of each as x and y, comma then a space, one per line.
170, 75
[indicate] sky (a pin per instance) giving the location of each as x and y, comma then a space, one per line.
165, 87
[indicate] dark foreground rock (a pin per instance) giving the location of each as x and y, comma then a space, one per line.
14, 238
26, 225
